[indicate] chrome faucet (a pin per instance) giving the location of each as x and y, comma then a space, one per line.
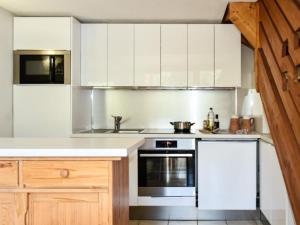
117, 122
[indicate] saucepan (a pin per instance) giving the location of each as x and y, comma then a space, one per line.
182, 126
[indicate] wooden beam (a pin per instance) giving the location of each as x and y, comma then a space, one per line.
244, 16
291, 10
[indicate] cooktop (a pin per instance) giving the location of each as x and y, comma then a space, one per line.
164, 131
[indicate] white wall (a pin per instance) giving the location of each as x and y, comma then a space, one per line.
156, 108
6, 70
248, 83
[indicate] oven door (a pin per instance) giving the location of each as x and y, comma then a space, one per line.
166, 173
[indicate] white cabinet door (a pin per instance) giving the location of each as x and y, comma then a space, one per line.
278, 191
94, 54
147, 55
42, 33
174, 55
227, 56
272, 186
42, 110
201, 53
120, 55
266, 180
226, 175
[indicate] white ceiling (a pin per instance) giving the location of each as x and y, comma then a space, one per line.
123, 10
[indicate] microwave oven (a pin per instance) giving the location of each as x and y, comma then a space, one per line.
42, 67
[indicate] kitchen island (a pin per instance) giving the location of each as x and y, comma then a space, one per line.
66, 181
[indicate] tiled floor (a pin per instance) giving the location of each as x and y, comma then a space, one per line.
152, 222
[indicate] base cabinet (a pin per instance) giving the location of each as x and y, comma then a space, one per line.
79, 204
13, 209
274, 201
65, 209
227, 175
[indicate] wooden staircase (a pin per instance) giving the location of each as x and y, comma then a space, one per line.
272, 28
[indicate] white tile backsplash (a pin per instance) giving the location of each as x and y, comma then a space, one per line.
156, 108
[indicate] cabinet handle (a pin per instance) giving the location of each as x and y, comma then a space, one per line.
64, 173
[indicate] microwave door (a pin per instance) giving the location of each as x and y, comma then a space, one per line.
57, 63
35, 69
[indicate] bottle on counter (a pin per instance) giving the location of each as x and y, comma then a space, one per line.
211, 119
217, 123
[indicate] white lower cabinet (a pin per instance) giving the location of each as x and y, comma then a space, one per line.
227, 175
42, 110
274, 202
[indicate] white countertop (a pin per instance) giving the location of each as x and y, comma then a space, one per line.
161, 133
68, 147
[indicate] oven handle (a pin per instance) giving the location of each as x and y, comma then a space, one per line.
165, 155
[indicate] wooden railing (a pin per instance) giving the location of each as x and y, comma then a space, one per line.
275, 24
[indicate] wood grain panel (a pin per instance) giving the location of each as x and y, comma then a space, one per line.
65, 174
13, 207
64, 209
8, 174
284, 62
284, 30
291, 11
243, 15
288, 102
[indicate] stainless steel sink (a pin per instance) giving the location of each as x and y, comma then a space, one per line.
98, 131
128, 131
109, 131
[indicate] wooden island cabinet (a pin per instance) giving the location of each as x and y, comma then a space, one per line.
64, 191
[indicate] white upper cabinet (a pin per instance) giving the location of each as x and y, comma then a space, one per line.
94, 55
201, 55
227, 56
120, 55
174, 55
147, 55
42, 33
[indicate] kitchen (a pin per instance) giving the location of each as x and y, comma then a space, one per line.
152, 121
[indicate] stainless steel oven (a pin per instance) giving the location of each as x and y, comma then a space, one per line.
42, 67
166, 168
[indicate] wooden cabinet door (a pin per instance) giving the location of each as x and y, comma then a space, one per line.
201, 55
227, 56
13, 208
174, 55
67, 209
120, 55
94, 54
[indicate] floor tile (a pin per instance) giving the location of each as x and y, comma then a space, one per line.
182, 222
242, 222
211, 222
152, 222
133, 222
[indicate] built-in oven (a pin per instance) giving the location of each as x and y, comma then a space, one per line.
42, 67
166, 168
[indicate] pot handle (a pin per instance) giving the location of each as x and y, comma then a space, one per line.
172, 123
191, 124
